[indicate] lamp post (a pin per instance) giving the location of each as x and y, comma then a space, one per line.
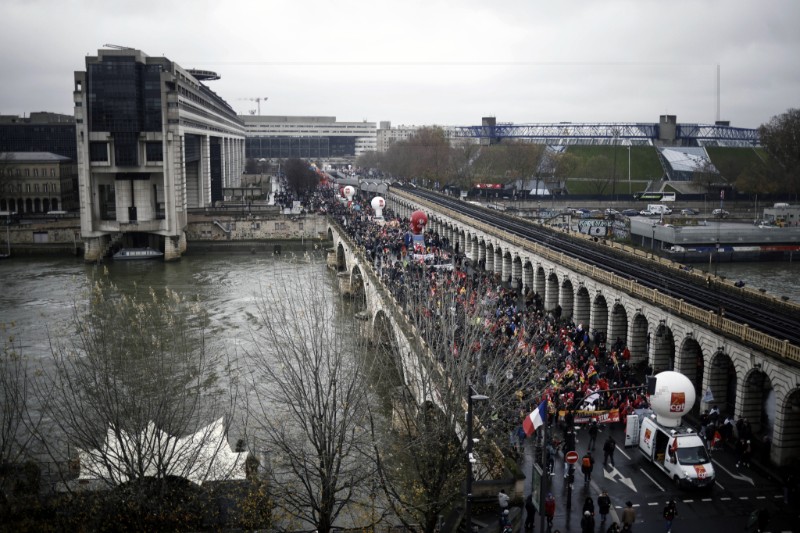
629, 170
472, 396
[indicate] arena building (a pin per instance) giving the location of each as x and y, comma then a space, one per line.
153, 141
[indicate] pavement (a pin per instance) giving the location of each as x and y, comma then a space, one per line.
726, 508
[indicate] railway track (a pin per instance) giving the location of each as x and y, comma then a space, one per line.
765, 316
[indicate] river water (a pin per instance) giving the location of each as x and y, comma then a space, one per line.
37, 295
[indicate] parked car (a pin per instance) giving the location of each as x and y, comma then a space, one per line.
611, 212
720, 213
630, 212
689, 212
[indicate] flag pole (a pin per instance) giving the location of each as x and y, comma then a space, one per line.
545, 474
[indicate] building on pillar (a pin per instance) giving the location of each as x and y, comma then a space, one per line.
153, 141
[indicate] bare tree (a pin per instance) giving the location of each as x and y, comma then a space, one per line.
308, 403
423, 464
136, 391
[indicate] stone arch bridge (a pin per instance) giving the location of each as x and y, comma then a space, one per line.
747, 373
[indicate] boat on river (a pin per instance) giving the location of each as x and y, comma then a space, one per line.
134, 254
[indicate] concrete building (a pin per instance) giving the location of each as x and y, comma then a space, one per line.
39, 132
153, 141
37, 182
307, 137
387, 135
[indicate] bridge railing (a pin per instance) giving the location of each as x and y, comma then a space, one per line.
777, 347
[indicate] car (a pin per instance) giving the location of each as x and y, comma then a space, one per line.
689, 212
720, 213
630, 212
611, 212
647, 213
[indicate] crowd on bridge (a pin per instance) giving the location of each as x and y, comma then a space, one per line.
577, 370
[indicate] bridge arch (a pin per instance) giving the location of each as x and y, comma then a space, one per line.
639, 337
662, 348
567, 298
498, 261
690, 362
489, 266
599, 318
722, 380
516, 271
618, 324
758, 402
786, 443
527, 275
357, 290
330, 234
341, 258
539, 280
582, 307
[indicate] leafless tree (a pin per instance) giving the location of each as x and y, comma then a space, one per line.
136, 391
423, 464
308, 401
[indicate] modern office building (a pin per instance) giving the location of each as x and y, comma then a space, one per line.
37, 182
311, 137
153, 141
387, 135
39, 132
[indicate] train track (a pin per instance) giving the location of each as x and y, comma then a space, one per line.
767, 317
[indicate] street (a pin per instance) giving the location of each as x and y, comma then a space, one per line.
725, 508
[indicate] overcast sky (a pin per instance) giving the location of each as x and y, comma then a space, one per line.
430, 62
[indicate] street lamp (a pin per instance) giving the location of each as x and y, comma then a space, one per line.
629, 170
473, 397
653, 239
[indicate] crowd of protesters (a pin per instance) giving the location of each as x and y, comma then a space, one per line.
580, 369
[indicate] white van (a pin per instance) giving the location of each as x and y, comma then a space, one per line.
659, 209
678, 451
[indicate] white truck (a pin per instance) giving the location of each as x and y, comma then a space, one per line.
675, 449
678, 451
656, 209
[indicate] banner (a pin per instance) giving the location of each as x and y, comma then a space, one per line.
601, 417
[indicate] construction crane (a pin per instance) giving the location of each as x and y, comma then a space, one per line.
257, 100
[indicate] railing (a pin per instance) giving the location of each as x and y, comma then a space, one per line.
774, 346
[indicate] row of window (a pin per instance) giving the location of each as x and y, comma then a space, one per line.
17, 187
26, 172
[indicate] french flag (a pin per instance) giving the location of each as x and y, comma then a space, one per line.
535, 419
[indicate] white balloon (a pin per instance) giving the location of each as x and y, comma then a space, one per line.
349, 191
377, 204
673, 398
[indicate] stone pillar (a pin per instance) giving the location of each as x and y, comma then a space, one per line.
489, 260
551, 294
172, 248
182, 244
516, 272
94, 248
344, 284
482, 253
498, 261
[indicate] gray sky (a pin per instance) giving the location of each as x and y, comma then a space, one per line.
428, 61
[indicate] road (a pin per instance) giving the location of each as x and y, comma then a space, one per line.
726, 508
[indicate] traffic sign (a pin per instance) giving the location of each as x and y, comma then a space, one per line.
571, 457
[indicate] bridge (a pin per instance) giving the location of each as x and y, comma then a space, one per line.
746, 372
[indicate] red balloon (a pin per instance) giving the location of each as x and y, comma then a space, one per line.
418, 222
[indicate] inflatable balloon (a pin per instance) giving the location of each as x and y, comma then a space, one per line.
377, 204
418, 222
341, 192
349, 191
673, 397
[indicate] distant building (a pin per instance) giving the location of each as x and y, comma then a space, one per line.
39, 132
306, 137
387, 135
37, 182
783, 215
153, 141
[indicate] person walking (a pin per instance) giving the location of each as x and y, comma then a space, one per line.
588, 505
603, 505
530, 513
587, 465
670, 512
587, 523
628, 516
593, 430
550, 509
608, 451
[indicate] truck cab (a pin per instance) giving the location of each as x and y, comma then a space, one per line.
678, 451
